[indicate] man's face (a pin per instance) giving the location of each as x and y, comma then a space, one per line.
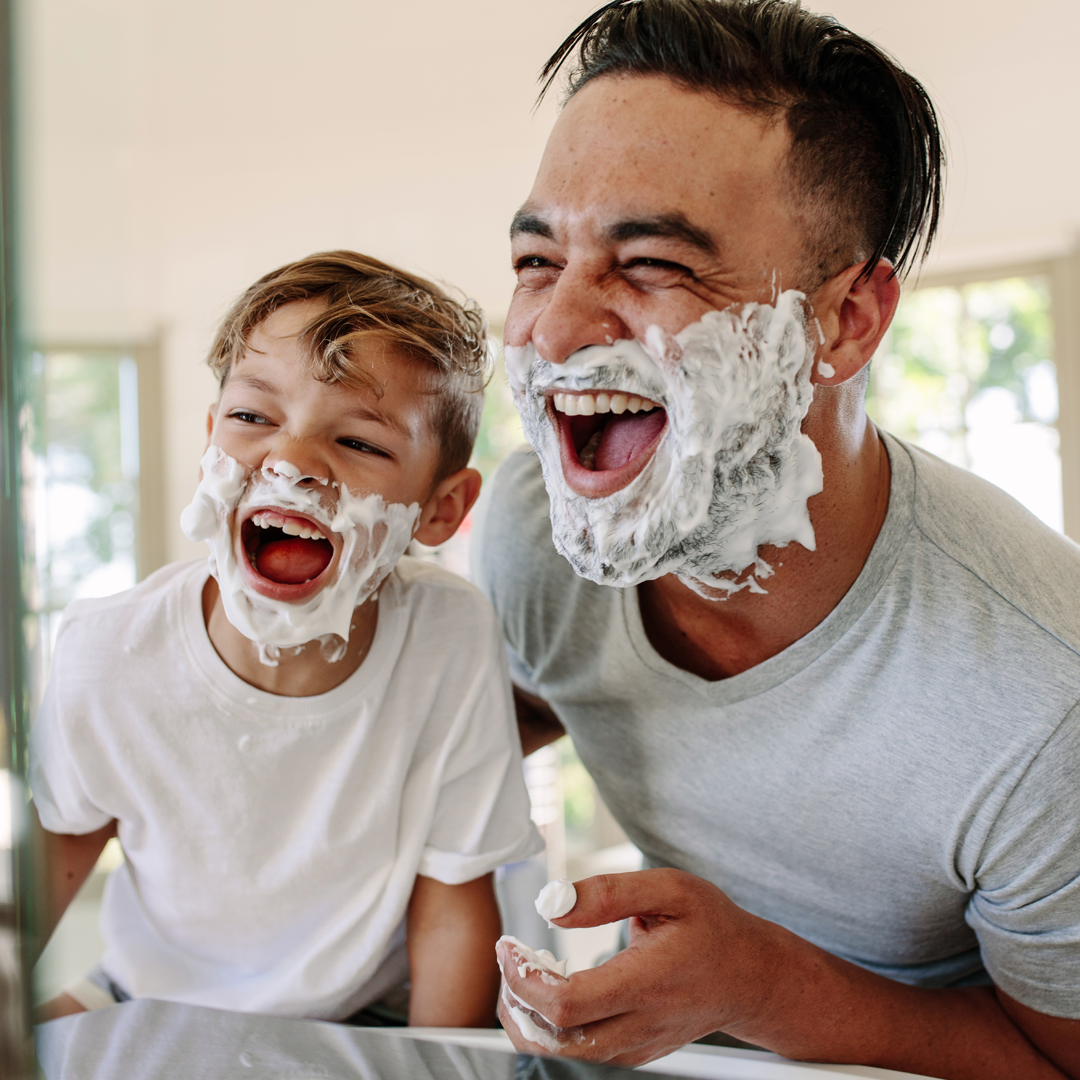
276, 419
652, 205
659, 212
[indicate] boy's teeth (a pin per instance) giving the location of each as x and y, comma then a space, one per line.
601, 402
268, 520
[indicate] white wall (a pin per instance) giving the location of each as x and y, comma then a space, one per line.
174, 150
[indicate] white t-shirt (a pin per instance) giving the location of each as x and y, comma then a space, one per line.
272, 842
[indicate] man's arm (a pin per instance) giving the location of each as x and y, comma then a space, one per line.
537, 722
698, 963
450, 932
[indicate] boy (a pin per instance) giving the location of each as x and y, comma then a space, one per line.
307, 750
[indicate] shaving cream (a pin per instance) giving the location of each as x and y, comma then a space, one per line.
556, 899
732, 470
375, 535
529, 959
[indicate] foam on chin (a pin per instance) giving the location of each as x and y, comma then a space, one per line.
375, 535
731, 472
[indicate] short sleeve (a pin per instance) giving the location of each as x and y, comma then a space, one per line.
58, 760
482, 818
1026, 908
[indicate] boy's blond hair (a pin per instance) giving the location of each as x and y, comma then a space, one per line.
366, 300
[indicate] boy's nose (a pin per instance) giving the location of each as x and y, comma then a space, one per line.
297, 462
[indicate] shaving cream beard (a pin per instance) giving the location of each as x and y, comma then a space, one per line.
375, 535
732, 470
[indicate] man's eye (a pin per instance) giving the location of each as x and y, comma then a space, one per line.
656, 271
535, 272
248, 417
362, 447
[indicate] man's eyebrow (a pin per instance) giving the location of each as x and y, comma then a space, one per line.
526, 220
670, 226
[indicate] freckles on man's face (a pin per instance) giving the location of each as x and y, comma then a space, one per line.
652, 205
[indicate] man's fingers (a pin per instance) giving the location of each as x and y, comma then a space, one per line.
628, 1039
648, 894
622, 984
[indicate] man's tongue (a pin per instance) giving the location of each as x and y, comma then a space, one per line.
293, 560
624, 437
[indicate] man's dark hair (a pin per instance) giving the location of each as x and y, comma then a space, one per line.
866, 153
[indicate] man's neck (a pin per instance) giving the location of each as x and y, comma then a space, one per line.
300, 672
716, 639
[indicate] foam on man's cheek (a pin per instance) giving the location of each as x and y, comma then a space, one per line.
375, 535
732, 470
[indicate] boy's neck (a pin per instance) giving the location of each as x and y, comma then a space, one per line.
300, 672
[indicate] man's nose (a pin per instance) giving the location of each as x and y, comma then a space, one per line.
577, 314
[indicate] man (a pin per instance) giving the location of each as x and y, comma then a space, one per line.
826, 683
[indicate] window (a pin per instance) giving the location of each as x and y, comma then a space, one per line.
93, 508
967, 372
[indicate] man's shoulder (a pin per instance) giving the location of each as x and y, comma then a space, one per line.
990, 535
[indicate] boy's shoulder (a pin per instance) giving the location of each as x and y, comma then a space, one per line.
110, 619
420, 581
438, 602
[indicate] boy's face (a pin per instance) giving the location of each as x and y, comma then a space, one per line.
274, 415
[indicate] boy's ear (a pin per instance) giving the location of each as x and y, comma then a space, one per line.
444, 512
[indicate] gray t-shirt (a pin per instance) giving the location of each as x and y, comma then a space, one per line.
900, 787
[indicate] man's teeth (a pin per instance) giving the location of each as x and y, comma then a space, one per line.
601, 402
268, 520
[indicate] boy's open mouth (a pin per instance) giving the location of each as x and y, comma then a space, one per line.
605, 437
286, 549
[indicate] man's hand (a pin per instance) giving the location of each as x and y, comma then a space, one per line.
698, 963
657, 995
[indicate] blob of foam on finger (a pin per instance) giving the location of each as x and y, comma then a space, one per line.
557, 898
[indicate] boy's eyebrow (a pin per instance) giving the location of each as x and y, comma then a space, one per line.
367, 412
360, 411
256, 383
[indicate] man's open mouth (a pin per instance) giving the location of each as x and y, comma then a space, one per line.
605, 437
285, 548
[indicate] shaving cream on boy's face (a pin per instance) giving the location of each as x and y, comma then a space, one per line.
255, 519
723, 403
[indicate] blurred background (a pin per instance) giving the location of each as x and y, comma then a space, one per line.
170, 153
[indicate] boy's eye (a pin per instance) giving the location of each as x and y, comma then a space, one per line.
363, 447
248, 417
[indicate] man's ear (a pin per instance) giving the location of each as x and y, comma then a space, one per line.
444, 512
853, 317
210, 414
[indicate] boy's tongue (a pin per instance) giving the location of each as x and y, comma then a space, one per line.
294, 560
